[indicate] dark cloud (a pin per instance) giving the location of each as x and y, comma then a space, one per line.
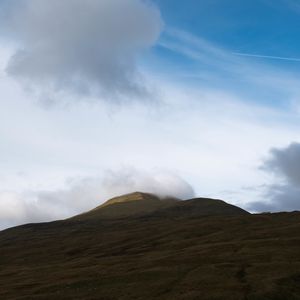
85, 47
284, 163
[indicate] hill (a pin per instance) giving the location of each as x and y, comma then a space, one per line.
134, 204
198, 249
139, 204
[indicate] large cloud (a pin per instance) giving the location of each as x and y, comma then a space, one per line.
88, 47
284, 163
82, 194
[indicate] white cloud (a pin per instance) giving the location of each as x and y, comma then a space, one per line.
163, 184
88, 47
82, 194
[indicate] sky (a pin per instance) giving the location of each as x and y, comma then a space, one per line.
190, 98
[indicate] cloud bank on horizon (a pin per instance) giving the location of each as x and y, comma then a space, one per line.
82, 194
284, 195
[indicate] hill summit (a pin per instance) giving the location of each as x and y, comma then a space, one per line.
132, 204
136, 196
146, 204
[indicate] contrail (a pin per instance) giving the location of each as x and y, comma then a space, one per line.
267, 56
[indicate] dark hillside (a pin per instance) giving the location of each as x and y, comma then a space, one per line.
159, 255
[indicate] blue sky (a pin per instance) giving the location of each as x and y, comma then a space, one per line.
261, 28
258, 26
159, 96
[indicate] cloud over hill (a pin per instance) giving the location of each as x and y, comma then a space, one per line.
82, 194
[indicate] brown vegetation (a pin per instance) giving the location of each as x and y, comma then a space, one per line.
183, 251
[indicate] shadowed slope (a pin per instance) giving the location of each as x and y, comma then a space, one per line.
201, 207
172, 253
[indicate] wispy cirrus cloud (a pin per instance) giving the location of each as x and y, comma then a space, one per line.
224, 69
267, 56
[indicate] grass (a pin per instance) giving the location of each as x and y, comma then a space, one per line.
158, 256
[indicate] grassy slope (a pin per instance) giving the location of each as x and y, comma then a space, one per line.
129, 205
223, 257
138, 204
